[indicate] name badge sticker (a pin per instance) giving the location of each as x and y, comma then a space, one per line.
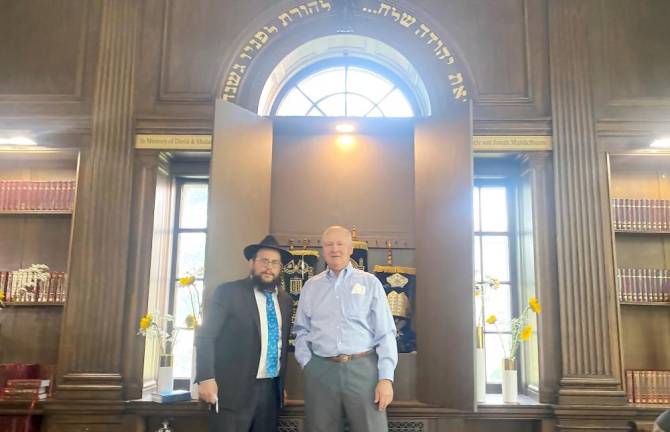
358, 289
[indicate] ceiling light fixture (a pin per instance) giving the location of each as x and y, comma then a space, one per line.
18, 141
345, 128
661, 143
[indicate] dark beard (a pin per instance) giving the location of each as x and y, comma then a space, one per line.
264, 286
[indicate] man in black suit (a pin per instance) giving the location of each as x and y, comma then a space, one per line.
241, 345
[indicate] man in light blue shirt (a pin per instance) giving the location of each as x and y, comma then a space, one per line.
345, 342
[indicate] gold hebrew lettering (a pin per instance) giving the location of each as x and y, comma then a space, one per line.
284, 18
407, 20
456, 79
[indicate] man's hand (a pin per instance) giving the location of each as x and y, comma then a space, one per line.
208, 391
384, 393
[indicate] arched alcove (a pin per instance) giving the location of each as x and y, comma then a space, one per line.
349, 49
407, 179
284, 36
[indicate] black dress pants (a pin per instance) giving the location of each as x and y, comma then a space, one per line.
260, 415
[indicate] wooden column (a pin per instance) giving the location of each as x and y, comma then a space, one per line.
539, 173
92, 330
148, 165
591, 369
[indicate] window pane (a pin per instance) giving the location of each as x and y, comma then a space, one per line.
367, 83
333, 106
396, 105
475, 208
314, 113
186, 301
193, 206
191, 254
494, 209
294, 104
495, 355
323, 83
478, 259
479, 312
496, 257
375, 113
183, 354
497, 302
357, 106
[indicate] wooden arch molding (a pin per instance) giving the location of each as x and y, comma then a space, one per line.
289, 24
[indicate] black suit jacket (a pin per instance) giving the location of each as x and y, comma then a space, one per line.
228, 343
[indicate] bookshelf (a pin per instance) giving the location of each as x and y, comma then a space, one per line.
640, 205
37, 193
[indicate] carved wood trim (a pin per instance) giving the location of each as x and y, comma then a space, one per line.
93, 316
139, 264
589, 329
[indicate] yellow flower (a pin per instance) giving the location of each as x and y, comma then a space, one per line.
190, 321
526, 332
186, 280
2, 296
491, 319
533, 303
495, 283
146, 321
477, 292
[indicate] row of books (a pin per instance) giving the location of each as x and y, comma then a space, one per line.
643, 285
28, 195
641, 214
33, 287
25, 389
648, 386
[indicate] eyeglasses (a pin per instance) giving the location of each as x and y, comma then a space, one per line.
266, 262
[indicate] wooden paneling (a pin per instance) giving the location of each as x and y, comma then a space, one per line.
504, 43
41, 56
632, 59
100, 240
191, 40
159, 282
318, 182
47, 57
145, 179
645, 337
540, 178
589, 332
444, 260
34, 239
240, 180
30, 334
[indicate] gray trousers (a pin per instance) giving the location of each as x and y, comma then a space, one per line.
334, 390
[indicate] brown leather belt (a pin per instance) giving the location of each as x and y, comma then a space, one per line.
342, 358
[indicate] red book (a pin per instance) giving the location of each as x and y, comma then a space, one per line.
27, 383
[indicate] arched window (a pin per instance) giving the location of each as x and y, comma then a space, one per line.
345, 88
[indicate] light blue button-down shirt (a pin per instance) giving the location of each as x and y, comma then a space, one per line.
345, 314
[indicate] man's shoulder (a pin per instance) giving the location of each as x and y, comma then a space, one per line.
360, 275
235, 285
312, 283
316, 278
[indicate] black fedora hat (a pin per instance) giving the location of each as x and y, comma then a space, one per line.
269, 242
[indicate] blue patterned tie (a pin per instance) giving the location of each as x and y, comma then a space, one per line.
273, 336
